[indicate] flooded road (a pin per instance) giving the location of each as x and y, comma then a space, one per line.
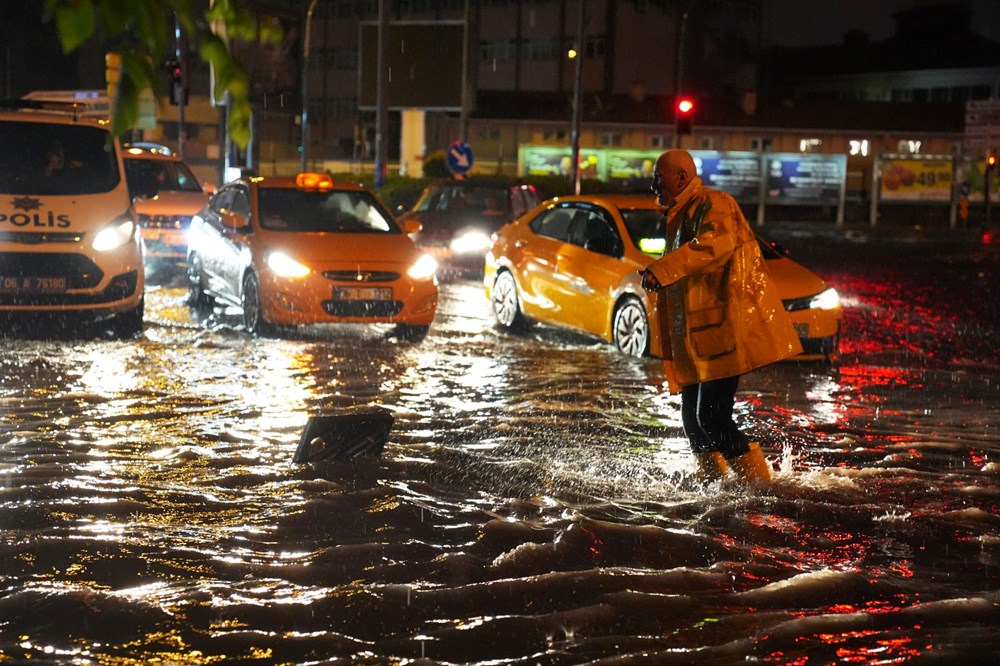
534, 503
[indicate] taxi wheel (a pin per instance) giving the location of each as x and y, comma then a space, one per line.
253, 315
411, 333
196, 290
506, 305
631, 328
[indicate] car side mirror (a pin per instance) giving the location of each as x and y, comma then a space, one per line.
234, 221
411, 226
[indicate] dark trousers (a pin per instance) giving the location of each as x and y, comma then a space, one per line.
707, 414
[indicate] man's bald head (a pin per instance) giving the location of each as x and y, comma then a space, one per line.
673, 172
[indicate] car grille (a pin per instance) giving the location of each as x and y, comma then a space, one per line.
165, 221
373, 309
361, 276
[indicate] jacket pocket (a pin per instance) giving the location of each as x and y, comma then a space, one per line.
711, 333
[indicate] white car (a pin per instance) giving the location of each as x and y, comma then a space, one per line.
69, 243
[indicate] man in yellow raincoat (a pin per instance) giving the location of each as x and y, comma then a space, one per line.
723, 316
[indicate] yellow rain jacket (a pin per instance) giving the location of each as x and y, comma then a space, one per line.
723, 316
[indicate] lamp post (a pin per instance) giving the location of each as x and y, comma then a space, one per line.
577, 94
679, 75
304, 118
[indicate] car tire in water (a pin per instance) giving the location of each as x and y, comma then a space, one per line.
196, 289
253, 314
506, 304
411, 333
129, 324
630, 328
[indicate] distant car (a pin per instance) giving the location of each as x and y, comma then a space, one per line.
166, 195
69, 244
457, 217
574, 262
307, 250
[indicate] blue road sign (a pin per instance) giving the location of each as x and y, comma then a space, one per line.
459, 157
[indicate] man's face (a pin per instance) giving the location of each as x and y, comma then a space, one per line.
668, 182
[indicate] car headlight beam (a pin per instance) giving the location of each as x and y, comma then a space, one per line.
284, 266
423, 268
114, 235
472, 241
825, 300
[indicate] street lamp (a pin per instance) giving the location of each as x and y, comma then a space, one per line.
577, 54
304, 118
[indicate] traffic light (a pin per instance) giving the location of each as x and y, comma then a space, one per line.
684, 115
991, 162
175, 74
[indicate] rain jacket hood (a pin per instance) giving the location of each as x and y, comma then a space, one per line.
723, 316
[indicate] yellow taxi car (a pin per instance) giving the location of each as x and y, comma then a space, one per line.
307, 250
166, 196
575, 262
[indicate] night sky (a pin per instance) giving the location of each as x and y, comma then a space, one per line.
815, 22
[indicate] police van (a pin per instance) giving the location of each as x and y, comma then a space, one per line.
69, 243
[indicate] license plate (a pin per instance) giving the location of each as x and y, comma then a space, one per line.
362, 293
32, 283
174, 238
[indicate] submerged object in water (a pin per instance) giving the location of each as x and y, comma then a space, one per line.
344, 436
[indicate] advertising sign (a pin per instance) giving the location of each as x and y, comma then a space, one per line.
972, 177
555, 161
793, 178
631, 164
735, 173
916, 179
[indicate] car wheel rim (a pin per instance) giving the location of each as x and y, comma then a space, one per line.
194, 278
505, 300
631, 329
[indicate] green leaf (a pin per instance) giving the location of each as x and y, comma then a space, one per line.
74, 22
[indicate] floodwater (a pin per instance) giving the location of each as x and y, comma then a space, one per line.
534, 503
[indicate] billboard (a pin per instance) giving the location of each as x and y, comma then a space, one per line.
423, 65
805, 179
916, 179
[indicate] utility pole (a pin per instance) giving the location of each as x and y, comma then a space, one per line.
304, 118
577, 100
381, 112
182, 93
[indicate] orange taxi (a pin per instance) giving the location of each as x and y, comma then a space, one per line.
575, 261
307, 250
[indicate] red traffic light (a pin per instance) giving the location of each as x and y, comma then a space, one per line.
684, 115
685, 106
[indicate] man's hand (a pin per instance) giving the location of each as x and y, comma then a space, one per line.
649, 281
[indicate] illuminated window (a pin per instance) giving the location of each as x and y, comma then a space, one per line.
859, 147
909, 147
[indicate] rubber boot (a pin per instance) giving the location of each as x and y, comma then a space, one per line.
711, 466
752, 465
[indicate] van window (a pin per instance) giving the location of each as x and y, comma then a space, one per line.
50, 158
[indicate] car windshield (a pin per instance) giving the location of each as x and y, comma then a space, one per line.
482, 200
646, 229
51, 158
355, 212
150, 177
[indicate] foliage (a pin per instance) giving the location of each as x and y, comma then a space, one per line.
140, 31
436, 165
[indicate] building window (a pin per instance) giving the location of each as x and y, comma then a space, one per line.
909, 147
611, 139
659, 141
594, 46
760, 143
709, 143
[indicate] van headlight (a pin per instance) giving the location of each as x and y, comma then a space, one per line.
825, 300
284, 266
423, 268
114, 235
471, 241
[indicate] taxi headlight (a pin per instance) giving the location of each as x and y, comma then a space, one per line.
470, 242
114, 235
825, 300
423, 268
284, 266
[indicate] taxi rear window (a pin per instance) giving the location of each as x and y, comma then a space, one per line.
44, 158
285, 209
